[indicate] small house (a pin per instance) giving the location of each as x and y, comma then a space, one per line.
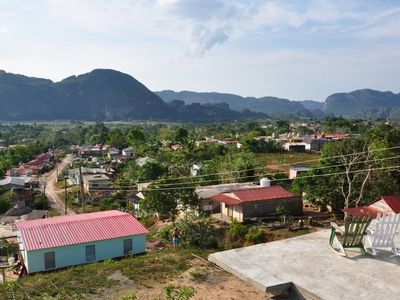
295, 171
96, 182
196, 169
128, 152
53, 243
205, 194
257, 203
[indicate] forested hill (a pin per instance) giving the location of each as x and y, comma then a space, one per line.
268, 105
99, 95
364, 103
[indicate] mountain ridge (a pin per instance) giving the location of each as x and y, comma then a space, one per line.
102, 94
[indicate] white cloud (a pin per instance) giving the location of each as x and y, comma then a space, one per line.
285, 48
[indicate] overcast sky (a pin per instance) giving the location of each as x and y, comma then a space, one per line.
291, 49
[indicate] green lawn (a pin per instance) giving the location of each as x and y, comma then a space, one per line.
288, 158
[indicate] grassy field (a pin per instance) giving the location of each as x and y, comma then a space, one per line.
83, 281
306, 159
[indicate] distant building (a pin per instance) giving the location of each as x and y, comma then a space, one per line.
98, 150
112, 153
196, 169
53, 243
295, 146
176, 146
141, 161
128, 152
295, 171
205, 194
257, 203
19, 182
96, 182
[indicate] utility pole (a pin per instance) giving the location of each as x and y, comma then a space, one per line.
65, 194
82, 193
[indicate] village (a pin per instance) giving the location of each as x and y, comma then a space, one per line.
125, 191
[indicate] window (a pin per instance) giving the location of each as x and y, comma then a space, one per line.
127, 246
90, 253
49, 260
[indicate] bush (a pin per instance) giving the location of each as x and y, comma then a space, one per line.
237, 230
197, 230
179, 292
41, 203
166, 233
255, 236
4, 205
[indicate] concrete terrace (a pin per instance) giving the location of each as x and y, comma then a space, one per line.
308, 263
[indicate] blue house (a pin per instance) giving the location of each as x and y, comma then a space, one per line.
53, 243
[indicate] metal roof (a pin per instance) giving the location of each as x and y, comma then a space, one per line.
393, 202
77, 229
253, 195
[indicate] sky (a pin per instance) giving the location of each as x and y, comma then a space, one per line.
298, 50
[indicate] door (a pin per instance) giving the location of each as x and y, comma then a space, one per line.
127, 246
49, 260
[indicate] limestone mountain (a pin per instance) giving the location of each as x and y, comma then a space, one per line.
365, 103
98, 95
268, 105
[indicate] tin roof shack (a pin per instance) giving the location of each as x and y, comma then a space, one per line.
59, 242
259, 202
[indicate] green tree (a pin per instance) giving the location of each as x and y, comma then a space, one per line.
197, 230
167, 200
181, 135
117, 139
136, 136
151, 170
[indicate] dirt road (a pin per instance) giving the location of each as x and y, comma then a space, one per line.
53, 194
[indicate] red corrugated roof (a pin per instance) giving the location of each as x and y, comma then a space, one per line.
362, 211
252, 195
393, 202
77, 229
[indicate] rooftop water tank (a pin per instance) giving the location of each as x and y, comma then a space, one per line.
265, 182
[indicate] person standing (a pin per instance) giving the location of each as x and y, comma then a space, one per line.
176, 238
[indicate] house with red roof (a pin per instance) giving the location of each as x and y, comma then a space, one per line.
257, 202
385, 205
58, 242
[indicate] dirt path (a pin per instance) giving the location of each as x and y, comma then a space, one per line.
53, 193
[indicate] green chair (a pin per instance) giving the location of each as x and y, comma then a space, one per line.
355, 228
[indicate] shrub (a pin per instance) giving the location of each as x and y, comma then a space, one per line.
196, 230
166, 233
4, 205
179, 292
255, 236
41, 203
237, 230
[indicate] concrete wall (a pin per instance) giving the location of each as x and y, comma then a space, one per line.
206, 204
293, 206
76, 255
232, 211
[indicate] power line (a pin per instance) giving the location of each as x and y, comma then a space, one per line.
260, 175
277, 180
281, 165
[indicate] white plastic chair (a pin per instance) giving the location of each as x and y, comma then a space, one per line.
386, 228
